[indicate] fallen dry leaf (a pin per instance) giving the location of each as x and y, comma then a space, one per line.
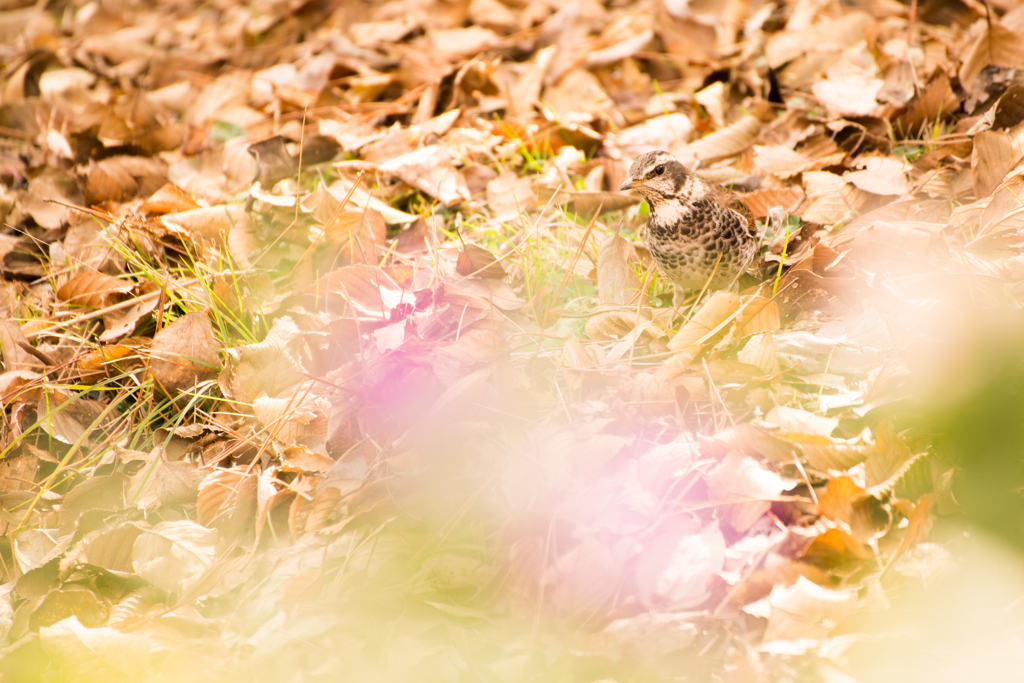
184, 353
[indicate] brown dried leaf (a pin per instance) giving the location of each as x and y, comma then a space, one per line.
525, 92
12, 349
52, 184
215, 223
807, 612
121, 178
780, 161
431, 170
301, 459
18, 473
996, 45
743, 490
92, 289
295, 417
761, 201
273, 162
227, 501
709, 319
70, 417
184, 353
510, 196
476, 261
271, 367
616, 281
356, 237
168, 199
995, 154
830, 199
847, 92
722, 144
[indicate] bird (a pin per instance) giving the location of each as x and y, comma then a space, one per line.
700, 234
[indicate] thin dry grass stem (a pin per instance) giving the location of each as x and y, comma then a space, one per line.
570, 271
717, 396
523, 234
85, 317
803, 473
707, 283
47, 483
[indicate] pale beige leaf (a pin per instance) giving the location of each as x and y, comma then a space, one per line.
722, 144
910, 236
613, 322
525, 92
710, 318
271, 366
713, 99
510, 197
830, 199
995, 154
171, 554
655, 634
165, 482
673, 570
826, 35
493, 15
801, 421
110, 548
760, 351
780, 161
743, 490
431, 170
35, 547
293, 417
463, 42
622, 50
97, 654
847, 92
879, 181
807, 611
657, 132
617, 283
121, 322
214, 223
227, 500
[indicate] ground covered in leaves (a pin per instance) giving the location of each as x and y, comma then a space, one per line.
332, 352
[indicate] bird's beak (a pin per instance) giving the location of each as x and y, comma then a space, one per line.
628, 185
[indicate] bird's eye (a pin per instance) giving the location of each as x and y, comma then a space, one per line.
659, 169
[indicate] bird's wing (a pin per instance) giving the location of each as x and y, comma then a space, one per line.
731, 200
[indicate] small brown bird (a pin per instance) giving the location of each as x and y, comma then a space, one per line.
699, 232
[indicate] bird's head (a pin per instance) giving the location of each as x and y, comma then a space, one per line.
657, 176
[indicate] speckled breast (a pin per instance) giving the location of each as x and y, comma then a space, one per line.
686, 245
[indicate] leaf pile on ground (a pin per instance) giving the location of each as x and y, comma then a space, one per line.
330, 350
